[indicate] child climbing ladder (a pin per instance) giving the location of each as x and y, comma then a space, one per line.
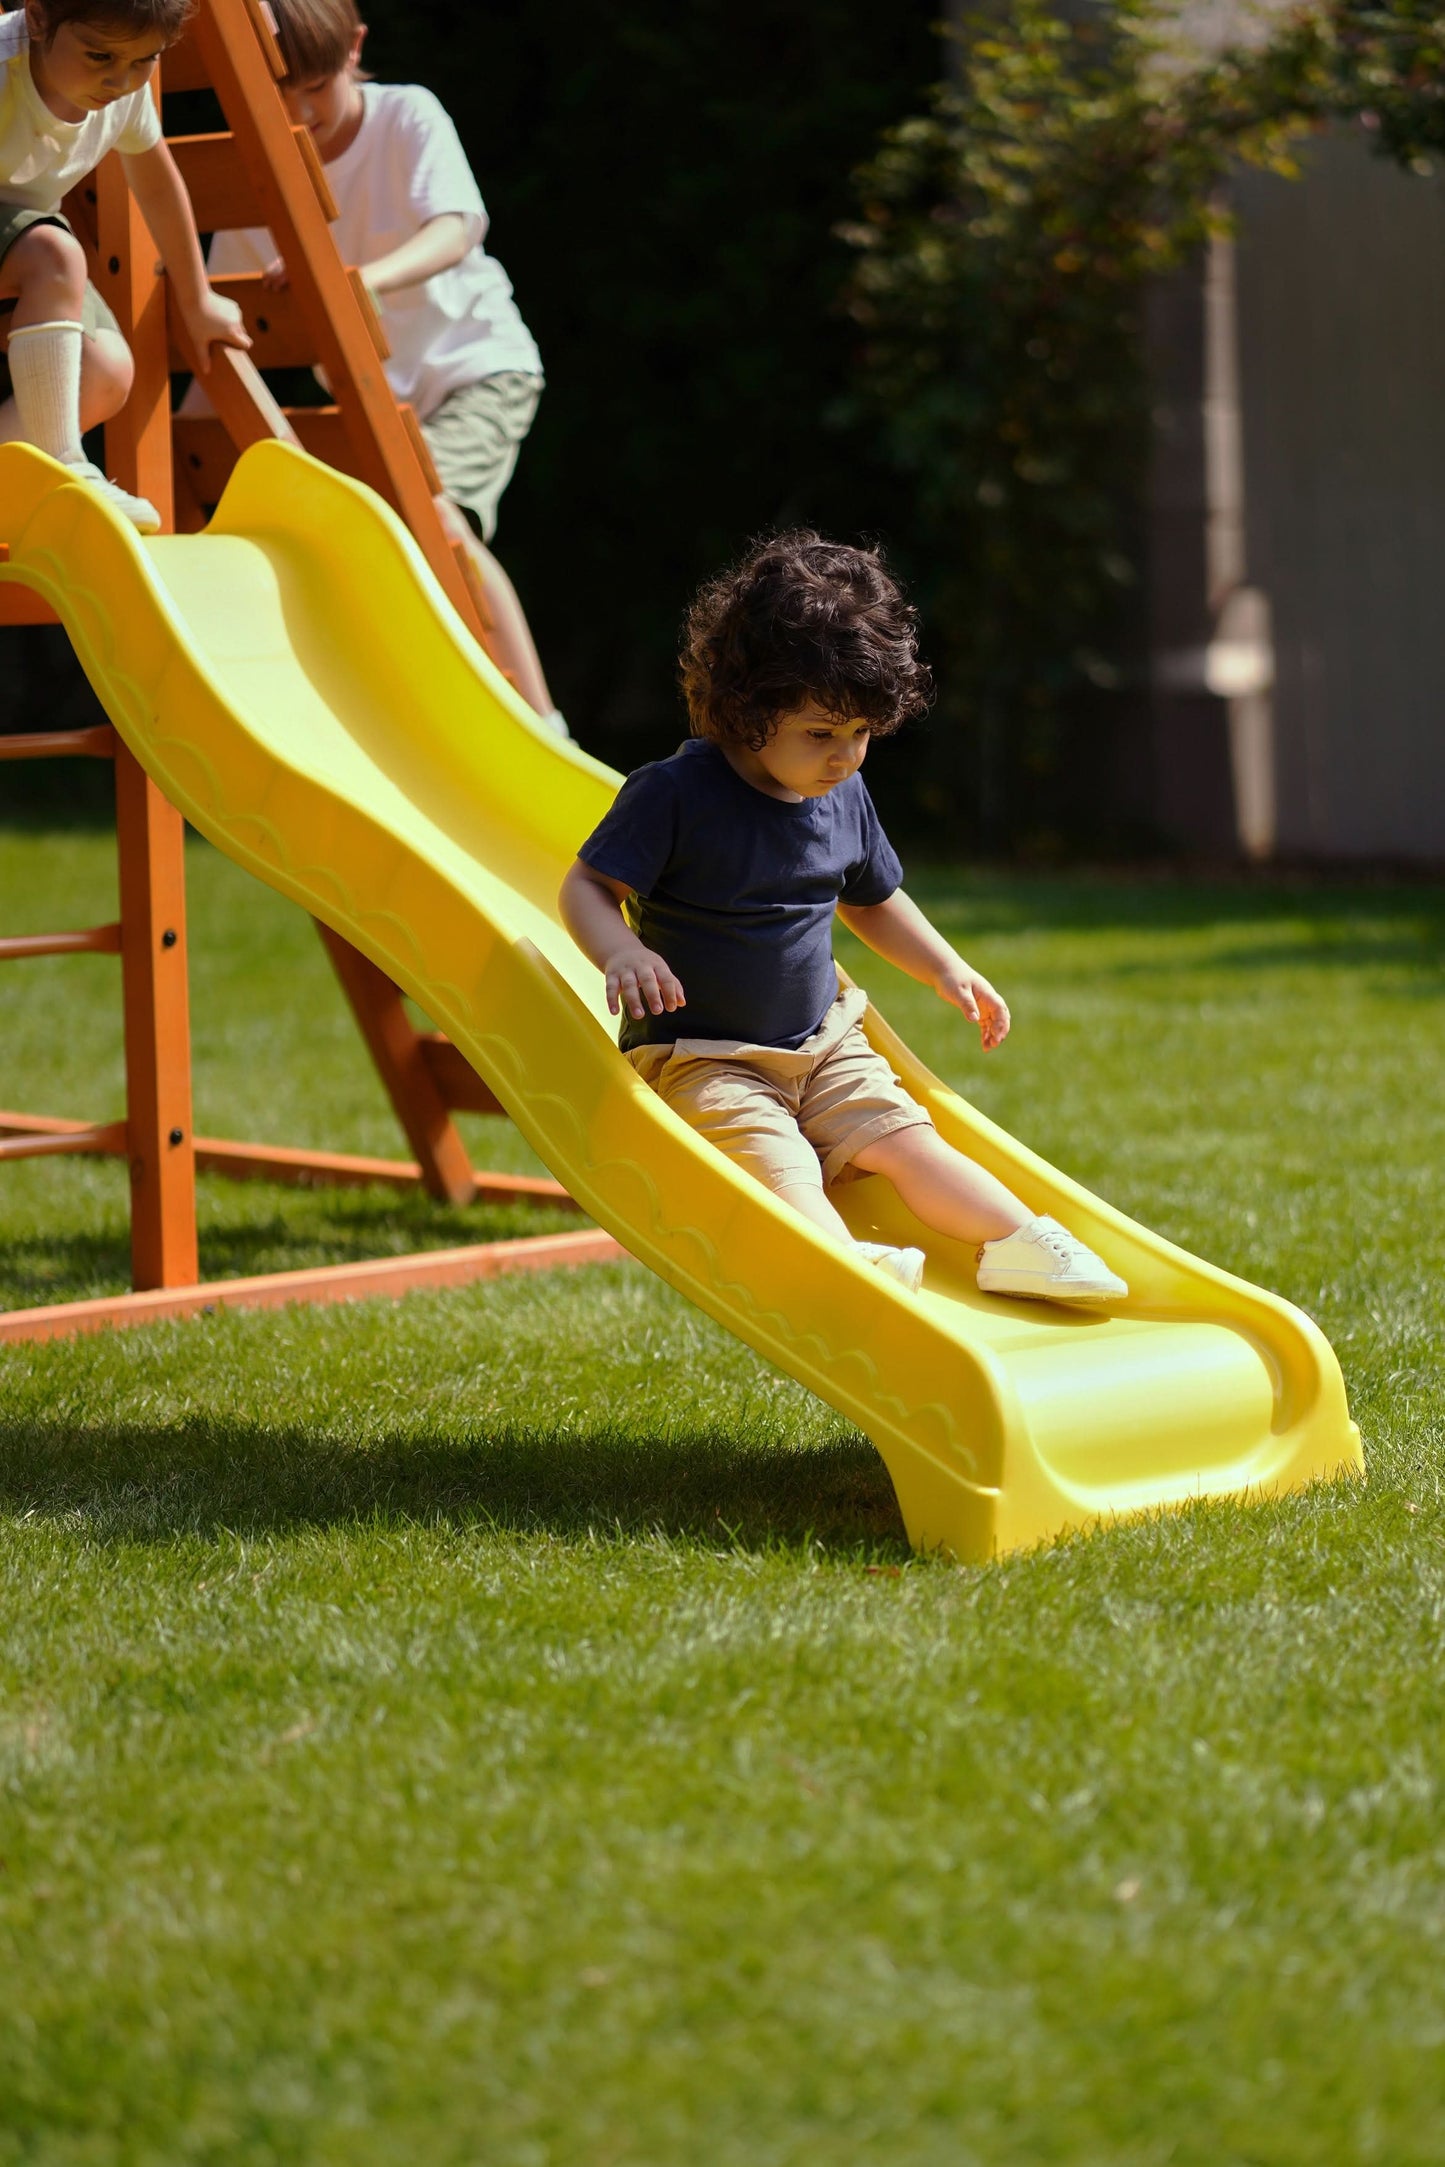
75, 84
412, 220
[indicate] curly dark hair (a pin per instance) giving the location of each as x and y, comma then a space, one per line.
798, 620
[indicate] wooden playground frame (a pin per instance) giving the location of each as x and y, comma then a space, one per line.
260, 171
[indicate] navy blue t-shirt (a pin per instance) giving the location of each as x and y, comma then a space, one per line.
737, 891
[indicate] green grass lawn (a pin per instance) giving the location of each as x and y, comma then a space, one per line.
508, 1727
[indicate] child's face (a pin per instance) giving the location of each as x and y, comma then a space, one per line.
329, 105
811, 751
87, 65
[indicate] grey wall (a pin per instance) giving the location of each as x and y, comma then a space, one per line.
1340, 308
1187, 784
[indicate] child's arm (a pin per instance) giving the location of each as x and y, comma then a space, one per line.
591, 907
436, 246
898, 931
154, 180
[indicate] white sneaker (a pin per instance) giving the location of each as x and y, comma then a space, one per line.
904, 1265
141, 514
556, 722
1045, 1260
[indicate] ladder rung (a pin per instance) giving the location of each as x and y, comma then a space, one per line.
205, 450
422, 449
95, 743
21, 605
105, 1137
280, 338
220, 188
205, 446
89, 940
263, 23
366, 302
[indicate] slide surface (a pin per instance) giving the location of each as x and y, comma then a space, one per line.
295, 681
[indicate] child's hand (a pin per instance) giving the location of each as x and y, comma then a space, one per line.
275, 274
977, 1000
215, 320
640, 978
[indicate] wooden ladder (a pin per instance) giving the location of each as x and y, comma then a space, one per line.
262, 171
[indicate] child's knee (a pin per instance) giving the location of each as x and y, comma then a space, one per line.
50, 259
893, 1144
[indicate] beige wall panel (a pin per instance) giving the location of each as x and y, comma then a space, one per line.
1341, 311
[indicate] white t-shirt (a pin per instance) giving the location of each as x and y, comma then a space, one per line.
41, 157
406, 165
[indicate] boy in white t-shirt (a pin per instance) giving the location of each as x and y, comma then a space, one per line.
74, 85
413, 221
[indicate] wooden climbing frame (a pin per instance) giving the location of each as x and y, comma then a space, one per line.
261, 170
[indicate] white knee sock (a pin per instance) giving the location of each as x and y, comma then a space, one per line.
45, 373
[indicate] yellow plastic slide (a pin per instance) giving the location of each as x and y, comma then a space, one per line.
296, 682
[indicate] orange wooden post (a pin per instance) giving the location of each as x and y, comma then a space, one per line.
138, 440
149, 832
150, 835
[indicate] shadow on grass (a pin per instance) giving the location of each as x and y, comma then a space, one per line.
316, 1227
133, 1482
49, 1267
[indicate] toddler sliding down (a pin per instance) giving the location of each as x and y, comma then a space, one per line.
733, 857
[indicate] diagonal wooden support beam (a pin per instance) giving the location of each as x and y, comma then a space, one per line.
395, 1045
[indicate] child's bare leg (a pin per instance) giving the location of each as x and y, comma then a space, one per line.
942, 1188
814, 1206
107, 372
106, 375
903, 1266
516, 650
45, 272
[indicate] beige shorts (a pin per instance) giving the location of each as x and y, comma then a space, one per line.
787, 1116
474, 437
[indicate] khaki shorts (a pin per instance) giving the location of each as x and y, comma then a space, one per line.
474, 437
96, 313
787, 1116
